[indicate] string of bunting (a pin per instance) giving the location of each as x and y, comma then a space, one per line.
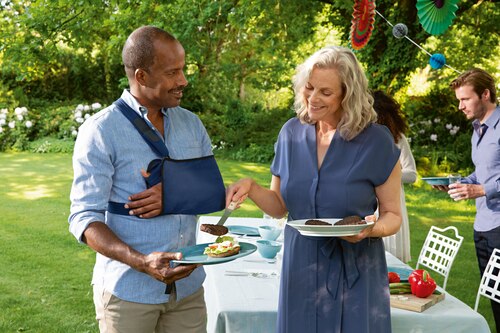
400, 30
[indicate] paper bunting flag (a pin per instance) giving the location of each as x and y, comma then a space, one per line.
436, 15
363, 19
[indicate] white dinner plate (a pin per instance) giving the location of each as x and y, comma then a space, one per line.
327, 230
194, 254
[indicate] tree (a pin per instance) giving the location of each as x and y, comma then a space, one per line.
390, 62
241, 54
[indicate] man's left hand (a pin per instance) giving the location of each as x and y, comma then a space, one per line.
148, 203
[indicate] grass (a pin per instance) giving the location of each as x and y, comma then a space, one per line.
44, 280
45, 275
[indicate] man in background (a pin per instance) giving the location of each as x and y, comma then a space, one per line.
476, 93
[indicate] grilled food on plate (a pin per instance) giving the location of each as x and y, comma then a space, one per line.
224, 246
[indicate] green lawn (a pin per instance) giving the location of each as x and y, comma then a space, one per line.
45, 275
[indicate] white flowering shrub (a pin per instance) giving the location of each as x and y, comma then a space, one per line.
80, 114
440, 138
63, 122
16, 128
20, 126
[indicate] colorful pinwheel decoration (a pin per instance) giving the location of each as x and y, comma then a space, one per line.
436, 15
363, 19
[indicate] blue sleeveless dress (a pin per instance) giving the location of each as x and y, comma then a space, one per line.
328, 284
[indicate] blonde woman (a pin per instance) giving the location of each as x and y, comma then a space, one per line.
332, 161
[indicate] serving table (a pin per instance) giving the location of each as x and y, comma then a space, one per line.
239, 300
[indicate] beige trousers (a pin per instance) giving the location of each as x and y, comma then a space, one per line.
114, 315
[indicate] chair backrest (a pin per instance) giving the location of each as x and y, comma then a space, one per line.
490, 281
439, 251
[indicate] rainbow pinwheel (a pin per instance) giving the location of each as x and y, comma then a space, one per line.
436, 15
363, 19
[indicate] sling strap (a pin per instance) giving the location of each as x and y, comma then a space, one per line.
148, 134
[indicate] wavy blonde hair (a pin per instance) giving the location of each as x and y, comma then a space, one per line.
357, 103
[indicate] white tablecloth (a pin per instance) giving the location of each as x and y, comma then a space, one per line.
239, 304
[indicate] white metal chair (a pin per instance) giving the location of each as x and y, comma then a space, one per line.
489, 286
439, 251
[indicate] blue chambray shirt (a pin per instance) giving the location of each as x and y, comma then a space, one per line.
486, 158
108, 156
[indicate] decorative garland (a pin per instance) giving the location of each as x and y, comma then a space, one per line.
435, 17
400, 30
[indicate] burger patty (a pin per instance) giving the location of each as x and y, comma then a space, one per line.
351, 220
316, 222
214, 229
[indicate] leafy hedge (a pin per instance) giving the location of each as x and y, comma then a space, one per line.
43, 128
439, 136
241, 131
246, 132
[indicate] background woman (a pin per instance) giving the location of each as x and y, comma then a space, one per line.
389, 114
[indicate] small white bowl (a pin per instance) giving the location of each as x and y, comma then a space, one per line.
269, 232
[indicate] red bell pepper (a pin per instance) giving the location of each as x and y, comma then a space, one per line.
424, 287
414, 277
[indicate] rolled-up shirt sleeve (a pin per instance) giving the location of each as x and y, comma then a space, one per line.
492, 189
93, 172
470, 179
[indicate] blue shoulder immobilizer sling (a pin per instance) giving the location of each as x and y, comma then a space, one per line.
192, 186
